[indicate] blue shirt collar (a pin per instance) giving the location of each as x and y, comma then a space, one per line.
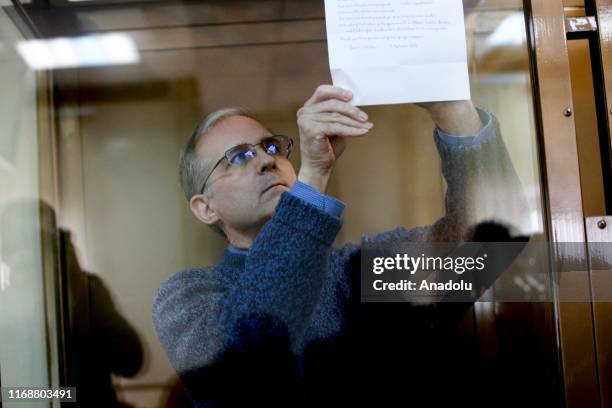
237, 251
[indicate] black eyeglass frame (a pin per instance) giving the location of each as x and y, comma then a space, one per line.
251, 147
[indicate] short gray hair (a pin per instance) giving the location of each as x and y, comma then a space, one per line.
193, 168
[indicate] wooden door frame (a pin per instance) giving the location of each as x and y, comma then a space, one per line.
563, 200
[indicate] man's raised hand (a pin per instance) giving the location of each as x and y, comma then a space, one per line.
324, 122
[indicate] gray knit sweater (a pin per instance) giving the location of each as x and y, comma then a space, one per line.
278, 325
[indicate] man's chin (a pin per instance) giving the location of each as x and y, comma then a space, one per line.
274, 193
270, 200
275, 199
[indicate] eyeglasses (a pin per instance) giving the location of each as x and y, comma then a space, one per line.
241, 154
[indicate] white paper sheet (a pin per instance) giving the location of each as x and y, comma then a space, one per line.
398, 51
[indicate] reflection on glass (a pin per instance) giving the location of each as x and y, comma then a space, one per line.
85, 51
24, 356
120, 129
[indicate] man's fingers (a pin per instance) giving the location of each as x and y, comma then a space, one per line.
338, 129
344, 108
325, 92
342, 119
336, 107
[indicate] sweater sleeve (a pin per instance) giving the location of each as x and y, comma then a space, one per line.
285, 267
239, 344
482, 188
484, 202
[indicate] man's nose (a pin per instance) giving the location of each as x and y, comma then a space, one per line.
264, 161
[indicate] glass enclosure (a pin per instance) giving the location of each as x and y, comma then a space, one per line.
24, 231
93, 216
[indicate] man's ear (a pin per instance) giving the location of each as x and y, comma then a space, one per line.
201, 207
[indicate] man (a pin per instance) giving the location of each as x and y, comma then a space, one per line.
278, 320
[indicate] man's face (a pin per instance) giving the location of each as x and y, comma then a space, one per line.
244, 197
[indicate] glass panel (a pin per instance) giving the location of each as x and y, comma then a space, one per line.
24, 359
128, 101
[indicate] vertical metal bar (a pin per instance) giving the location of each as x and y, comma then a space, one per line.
563, 198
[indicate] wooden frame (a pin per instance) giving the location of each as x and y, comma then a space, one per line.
563, 199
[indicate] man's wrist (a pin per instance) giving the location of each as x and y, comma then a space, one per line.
457, 118
317, 179
487, 131
319, 200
